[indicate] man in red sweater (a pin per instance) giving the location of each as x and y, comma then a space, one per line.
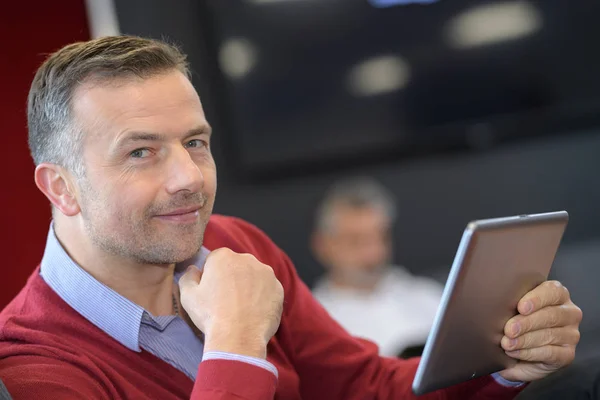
122, 152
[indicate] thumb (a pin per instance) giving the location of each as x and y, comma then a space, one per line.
191, 278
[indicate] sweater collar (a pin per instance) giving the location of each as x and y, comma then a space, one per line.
116, 315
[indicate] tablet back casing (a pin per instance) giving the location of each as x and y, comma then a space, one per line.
498, 261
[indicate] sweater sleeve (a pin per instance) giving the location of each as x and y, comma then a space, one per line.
44, 378
220, 379
332, 364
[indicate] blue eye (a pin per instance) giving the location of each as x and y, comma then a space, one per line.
195, 143
140, 153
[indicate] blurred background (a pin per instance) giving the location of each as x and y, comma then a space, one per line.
461, 109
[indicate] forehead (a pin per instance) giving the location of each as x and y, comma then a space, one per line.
167, 103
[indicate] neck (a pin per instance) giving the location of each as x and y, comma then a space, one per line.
148, 285
359, 281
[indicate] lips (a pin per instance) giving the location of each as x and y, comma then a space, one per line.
185, 215
181, 211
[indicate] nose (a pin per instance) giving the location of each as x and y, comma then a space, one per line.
183, 174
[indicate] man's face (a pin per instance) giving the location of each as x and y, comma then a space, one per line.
357, 243
150, 177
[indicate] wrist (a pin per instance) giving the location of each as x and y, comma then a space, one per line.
240, 343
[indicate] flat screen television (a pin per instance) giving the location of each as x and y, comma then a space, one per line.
311, 84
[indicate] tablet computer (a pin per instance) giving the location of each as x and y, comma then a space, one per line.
497, 262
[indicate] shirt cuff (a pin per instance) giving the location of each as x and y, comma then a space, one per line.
259, 362
506, 382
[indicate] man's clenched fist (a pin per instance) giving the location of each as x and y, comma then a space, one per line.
236, 301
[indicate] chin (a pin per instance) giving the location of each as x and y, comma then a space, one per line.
174, 248
174, 257
187, 253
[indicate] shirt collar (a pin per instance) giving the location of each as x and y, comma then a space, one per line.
116, 315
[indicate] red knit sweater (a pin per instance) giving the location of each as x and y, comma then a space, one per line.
49, 351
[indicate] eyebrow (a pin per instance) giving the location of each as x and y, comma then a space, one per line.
159, 137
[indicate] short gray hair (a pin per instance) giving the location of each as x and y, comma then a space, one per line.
53, 135
356, 192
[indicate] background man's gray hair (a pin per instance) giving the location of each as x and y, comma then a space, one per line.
358, 192
54, 137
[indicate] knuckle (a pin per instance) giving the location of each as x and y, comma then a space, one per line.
536, 299
221, 251
549, 336
553, 284
245, 260
576, 336
248, 256
266, 271
183, 291
545, 353
184, 300
552, 357
267, 267
219, 254
279, 287
578, 313
553, 317
558, 293
554, 290
182, 295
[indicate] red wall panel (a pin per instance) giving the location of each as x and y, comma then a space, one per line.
29, 30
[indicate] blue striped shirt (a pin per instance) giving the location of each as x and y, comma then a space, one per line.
167, 337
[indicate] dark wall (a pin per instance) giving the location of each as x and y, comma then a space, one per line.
437, 195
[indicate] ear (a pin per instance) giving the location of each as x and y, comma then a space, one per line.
56, 184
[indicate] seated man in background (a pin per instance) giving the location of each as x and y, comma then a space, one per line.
143, 293
362, 290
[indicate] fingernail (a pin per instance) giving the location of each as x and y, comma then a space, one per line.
516, 328
512, 343
528, 307
513, 353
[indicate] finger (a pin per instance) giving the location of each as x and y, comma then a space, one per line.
220, 252
549, 317
549, 293
190, 279
551, 355
544, 337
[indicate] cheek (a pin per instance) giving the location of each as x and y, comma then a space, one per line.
134, 200
209, 174
120, 203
